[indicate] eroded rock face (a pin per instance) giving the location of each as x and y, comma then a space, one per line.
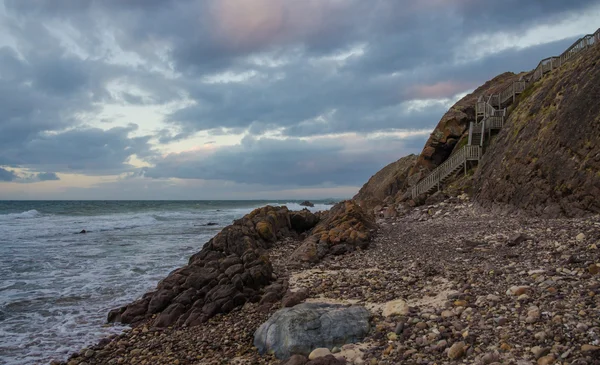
345, 228
386, 183
230, 270
453, 128
307, 326
546, 159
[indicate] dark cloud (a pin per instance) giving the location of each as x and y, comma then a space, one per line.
294, 68
344, 160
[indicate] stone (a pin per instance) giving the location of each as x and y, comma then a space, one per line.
546, 360
580, 237
456, 351
306, 203
307, 326
319, 352
290, 299
396, 308
594, 269
517, 239
590, 348
518, 290
392, 336
539, 351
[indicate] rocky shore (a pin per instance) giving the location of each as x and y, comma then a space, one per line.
445, 283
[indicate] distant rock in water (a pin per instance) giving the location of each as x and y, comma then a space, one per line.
83, 231
306, 203
230, 270
308, 326
211, 224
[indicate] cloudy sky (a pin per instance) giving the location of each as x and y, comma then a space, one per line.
243, 99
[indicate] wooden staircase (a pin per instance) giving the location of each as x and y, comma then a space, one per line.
490, 113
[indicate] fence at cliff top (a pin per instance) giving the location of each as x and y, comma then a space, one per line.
494, 118
550, 63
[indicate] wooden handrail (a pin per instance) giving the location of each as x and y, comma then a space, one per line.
493, 118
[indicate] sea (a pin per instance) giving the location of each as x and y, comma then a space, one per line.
57, 284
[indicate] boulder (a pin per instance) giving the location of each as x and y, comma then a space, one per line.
308, 326
303, 220
306, 203
291, 299
345, 224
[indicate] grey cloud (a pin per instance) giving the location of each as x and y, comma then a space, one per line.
89, 150
303, 92
11, 176
7, 175
47, 176
291, 162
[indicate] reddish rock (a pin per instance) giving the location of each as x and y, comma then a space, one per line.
346, 223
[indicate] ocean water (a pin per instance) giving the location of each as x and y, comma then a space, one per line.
57, 286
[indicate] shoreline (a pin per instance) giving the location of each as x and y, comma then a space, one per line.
456, 265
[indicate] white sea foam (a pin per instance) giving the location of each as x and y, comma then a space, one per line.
24, 215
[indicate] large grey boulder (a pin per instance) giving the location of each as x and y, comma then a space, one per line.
307, 326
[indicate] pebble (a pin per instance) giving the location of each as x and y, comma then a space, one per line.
546, 360
319, 352
456, 351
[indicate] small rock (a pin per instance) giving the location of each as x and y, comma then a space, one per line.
320, 352
539, 351
396, 307
517, 290
392, 336
594, 269
580, 237
546, 360
456, 351
589, 348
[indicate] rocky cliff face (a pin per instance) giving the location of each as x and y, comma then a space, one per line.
546, 159
453, 128
384, 186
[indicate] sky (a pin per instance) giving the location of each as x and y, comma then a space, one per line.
246, 99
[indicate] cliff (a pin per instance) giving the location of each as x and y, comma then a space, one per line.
546, 160
453, 129
385, 185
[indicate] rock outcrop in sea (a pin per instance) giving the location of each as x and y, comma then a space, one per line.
229, 271
233, 268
